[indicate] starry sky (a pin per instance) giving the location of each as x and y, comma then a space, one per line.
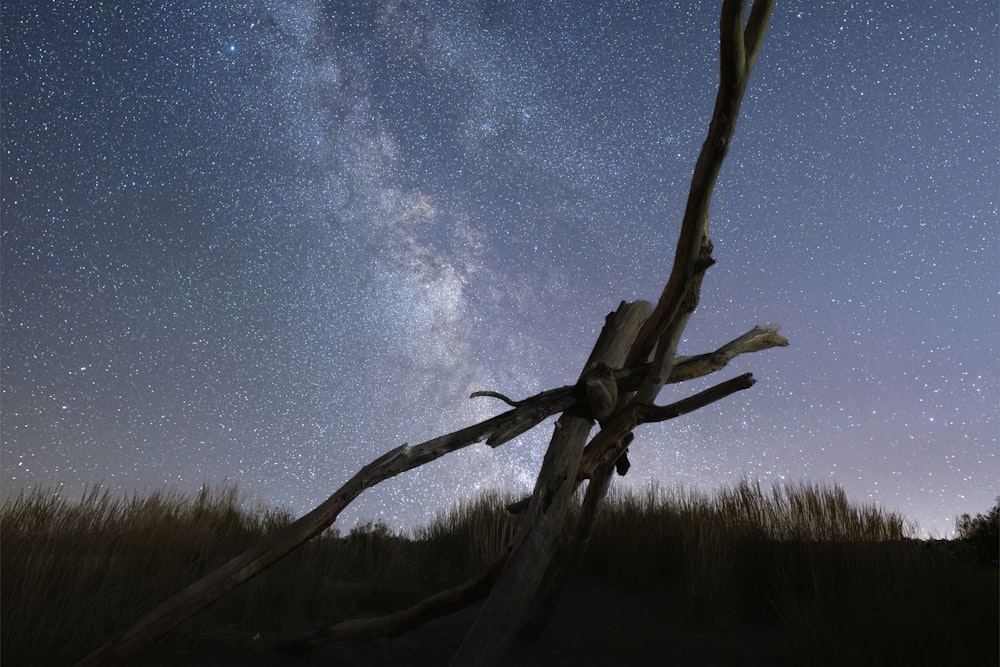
267, 241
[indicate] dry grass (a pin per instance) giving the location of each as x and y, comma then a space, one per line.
74, 572
850, 582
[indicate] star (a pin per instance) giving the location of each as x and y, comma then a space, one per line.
268, 242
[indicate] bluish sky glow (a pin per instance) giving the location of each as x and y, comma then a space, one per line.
268, 241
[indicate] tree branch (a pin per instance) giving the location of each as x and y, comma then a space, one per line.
650, 414
657, 339
495, 394
610, 442
214, 585
663, 329
391, 625
757, 339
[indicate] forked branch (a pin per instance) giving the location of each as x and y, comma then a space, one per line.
738, 49
475, 589
650, 363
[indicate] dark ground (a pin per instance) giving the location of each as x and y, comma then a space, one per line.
596, 625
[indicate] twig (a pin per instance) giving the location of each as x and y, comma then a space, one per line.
496, 394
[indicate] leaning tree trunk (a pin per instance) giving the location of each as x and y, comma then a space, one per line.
542, 523
508, 606
634, 357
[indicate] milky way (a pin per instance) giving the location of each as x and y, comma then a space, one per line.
265, 242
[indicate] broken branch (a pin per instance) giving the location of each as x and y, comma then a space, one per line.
495, 394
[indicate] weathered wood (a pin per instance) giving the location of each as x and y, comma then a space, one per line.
203, 592
547, 600
495, 431
446, 602
757, 339
607, 445
602, 390
509, 604
392, 625
738, 49
651, 361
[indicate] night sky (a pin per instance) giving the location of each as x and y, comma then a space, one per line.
266, 242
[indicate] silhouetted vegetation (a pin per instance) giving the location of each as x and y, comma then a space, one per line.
850, 583
982, 534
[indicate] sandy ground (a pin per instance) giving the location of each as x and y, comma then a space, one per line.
632, 629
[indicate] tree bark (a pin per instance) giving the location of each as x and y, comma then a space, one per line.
542, 524
738, 49
391, 625
547, 599
495, 431
656, 340
214, 585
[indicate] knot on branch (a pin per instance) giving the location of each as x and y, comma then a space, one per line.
602, 390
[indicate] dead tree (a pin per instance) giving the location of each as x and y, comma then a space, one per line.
634, 357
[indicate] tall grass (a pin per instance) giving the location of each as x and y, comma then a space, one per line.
470, 535
849, 582
664, 529
76, 572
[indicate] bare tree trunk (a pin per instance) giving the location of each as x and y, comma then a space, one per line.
509, 603
547, 599
542, 525
645, 360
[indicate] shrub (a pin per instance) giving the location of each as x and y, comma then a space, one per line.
982, 534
